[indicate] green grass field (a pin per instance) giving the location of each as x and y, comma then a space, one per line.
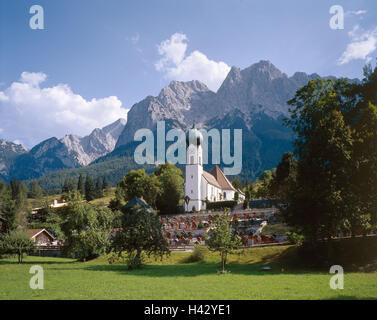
172, 278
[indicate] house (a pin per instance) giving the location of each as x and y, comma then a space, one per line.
41, 237
136, 202
200, 185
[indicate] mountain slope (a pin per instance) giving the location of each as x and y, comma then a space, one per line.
69, 152
8, 151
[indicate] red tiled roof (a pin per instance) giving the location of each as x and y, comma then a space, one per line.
222, 179
211, 179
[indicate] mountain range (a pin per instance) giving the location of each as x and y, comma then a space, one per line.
253, 99
54, 154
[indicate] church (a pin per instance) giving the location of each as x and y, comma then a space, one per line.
201, 185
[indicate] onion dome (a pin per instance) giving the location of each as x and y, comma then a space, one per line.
194, 136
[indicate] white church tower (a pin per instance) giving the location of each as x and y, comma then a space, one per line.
194, 170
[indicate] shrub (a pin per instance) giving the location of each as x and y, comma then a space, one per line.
295, 238
198, 255
116, 257
219, 205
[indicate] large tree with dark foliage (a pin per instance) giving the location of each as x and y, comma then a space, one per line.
172, 185
90, 188
335, 123
141, 234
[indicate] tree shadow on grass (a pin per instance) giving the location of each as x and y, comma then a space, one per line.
39, 262
191, 269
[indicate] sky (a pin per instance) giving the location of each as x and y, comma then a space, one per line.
95, 58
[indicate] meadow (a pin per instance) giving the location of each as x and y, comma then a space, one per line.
175, 278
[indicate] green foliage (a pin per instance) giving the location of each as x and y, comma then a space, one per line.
90, 190
220, 205
36, 191
141, 235
137, 183
237, 183
198, 255
86, 228
220, 237
295, 238
81, 185
335, 183
162, 190
68, 186
172, 185
16, 242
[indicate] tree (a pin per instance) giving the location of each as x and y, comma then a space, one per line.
141, 233
237, 183
68, 185
36, 191
86, 228
81, 185
106, 185
335, 124
90, 190
172, 187
137, 183
284, 181
8, 211
16, 242
220, 237
99, 188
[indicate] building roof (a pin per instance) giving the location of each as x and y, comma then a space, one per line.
34, 232
222, 179
211, 179
136, 201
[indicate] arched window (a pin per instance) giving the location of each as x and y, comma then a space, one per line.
191, 159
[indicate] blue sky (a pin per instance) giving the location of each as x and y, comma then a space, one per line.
118, 52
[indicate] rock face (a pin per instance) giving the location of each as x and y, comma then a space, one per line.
179, 104
69, 152
253, 99
260, 88
99, 143
8, 151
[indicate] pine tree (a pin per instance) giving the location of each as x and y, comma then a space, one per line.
106, 184
99, 188
68, 186
36, 191
90, 189
81, 185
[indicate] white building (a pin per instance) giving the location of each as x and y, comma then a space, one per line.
201, 185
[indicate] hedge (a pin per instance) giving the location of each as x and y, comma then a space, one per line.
221, 205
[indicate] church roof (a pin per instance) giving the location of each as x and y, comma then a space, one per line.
222, 179
211, 179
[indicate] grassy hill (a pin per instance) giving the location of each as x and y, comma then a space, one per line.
174, 278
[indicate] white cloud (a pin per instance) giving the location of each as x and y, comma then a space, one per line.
31, 114
363, 43
177, 65
356, 12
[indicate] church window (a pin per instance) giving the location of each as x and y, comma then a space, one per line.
224, 195
192, 191
192, 177
191, 159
